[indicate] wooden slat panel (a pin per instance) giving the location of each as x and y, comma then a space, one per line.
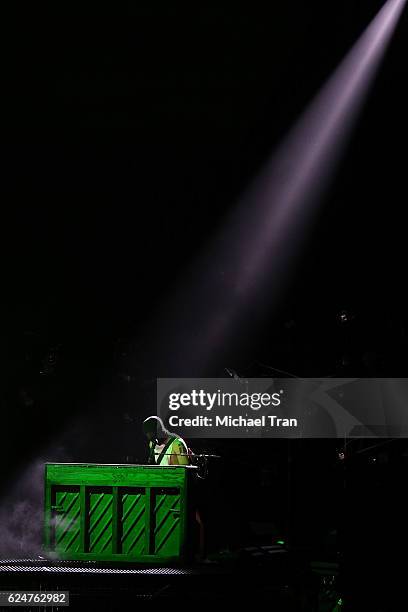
106, 475
100, 519
166, 521
132, 522
67, 520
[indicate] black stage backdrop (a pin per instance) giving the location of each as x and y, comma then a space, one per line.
129, 131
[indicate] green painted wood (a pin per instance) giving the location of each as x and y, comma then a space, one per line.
148, 522
185, 517
132, 522
109, 475
83, 524
115, 520
116, 512
99, 519
47, 511
66, 513
166, 521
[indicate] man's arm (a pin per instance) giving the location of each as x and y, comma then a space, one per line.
179, 453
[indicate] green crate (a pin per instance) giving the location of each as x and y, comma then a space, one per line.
132, 513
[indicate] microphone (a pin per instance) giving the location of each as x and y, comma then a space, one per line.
232, 373
235, 376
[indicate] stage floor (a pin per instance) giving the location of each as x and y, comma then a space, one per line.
92, 567
268, 574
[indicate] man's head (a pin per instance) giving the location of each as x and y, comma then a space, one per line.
154, 429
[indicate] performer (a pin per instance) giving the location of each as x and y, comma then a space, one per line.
165, 448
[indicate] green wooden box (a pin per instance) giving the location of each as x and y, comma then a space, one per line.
132, 513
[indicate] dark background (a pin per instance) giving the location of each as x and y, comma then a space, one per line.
129, 131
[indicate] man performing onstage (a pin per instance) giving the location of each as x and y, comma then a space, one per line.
166, 448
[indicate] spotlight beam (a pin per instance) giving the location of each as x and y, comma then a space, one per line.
248, 263
306, 161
